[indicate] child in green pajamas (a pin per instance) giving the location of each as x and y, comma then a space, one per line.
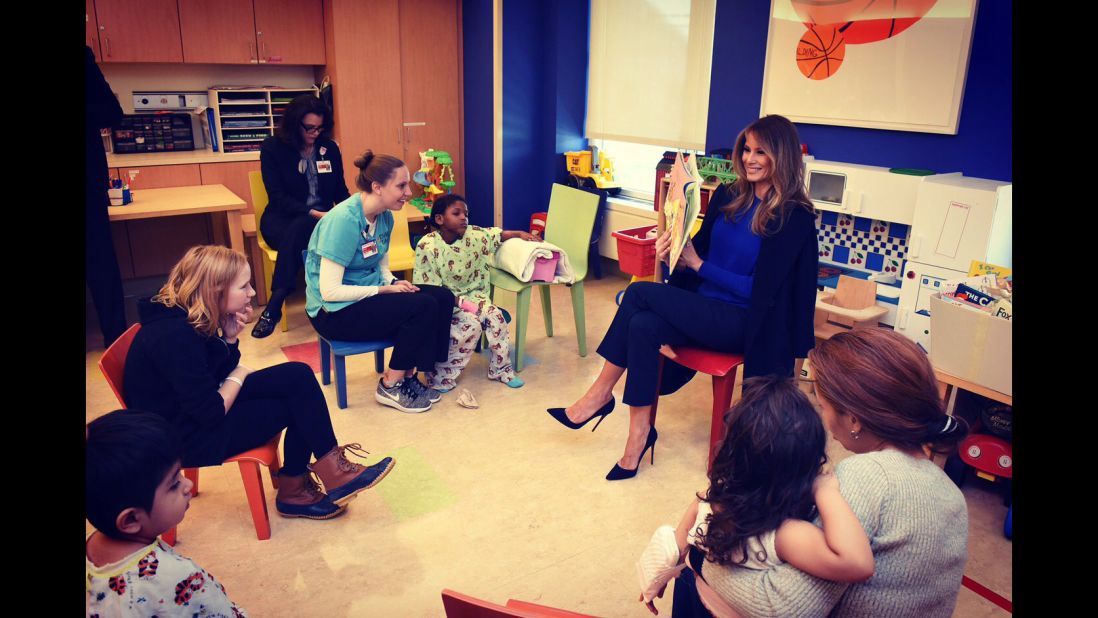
457, 256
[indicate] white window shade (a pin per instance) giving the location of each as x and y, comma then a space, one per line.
650, 62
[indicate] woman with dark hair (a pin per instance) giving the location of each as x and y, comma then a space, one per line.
184, 365
879, 399
351, 294
745, 284
303, 175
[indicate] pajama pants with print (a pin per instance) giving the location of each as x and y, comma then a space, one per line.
465, 331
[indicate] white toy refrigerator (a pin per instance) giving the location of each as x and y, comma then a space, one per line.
957, 220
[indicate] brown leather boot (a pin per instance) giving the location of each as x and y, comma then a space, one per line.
299, 496
342, 478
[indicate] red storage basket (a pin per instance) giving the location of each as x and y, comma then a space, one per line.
636, 254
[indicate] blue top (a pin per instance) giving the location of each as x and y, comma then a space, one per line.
343, 236
729, 270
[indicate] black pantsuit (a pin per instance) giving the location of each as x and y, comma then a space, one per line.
653, 314
289, 236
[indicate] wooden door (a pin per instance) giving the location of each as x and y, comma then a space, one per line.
431, 81
218, 31
365, 72
139, 30
292, 31
157, 244
91, 29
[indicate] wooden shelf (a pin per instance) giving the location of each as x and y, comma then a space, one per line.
228, 107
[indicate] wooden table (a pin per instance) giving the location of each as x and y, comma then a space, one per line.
192, 200
947, 382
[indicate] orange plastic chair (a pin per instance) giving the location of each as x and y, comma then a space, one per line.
113, 365
458, 605
717, 364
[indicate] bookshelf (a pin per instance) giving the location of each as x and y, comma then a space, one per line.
244, 117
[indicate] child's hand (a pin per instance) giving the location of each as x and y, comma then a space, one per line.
825, 482
527, 236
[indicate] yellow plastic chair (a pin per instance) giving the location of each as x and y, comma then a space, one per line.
402, 257
570, 221
259, 203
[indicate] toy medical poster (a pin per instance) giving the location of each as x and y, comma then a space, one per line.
897, 65
683, 203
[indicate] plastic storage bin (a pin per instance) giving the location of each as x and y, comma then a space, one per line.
636, 253
545, 269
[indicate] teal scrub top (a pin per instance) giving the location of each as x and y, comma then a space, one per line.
341, 236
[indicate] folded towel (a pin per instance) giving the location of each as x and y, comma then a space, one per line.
518, 257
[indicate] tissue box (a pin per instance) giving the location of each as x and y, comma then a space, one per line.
972, 345
545, 269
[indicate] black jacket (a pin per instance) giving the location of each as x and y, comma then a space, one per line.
783, 294
174, 371
288, 189
101, 110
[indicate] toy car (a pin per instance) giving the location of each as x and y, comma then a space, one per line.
591, 169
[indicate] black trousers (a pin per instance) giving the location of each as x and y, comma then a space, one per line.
654, 314
286, 396
417, 322
289, 236
101, 267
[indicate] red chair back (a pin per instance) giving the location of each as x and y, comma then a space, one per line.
113, 362
459, 605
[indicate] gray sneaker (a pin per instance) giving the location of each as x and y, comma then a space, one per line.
432, 394
401, 397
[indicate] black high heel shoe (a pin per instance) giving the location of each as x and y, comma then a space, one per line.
619, 473
562, 417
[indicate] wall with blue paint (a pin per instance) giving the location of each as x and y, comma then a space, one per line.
545, 84
476, 26
981, 148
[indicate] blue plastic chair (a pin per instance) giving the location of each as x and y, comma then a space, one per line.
341, 350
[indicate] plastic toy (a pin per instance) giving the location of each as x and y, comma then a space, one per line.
991, 457
436, 175
591, 169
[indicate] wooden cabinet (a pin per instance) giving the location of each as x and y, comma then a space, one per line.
244, 117
91, 28
252, 31
218, 31
407, 97
139, 30
290, 31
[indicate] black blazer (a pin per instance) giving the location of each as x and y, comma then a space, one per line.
783, 295
174, 371
288, 189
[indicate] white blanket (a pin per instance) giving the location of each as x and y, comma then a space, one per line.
518, 257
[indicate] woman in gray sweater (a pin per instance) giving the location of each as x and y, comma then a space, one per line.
879, 399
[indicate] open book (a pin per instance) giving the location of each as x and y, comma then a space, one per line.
682, 204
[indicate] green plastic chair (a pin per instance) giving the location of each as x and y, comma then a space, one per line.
570, 221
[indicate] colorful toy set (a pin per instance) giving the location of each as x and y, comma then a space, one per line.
435, 175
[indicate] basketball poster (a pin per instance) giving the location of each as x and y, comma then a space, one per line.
895, 64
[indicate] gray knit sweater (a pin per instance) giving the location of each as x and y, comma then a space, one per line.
917, 523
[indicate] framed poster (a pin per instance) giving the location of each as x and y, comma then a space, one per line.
898, 65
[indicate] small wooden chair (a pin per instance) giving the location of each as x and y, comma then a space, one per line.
852, 306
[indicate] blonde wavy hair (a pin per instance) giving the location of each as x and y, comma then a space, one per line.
198, 283
778, 138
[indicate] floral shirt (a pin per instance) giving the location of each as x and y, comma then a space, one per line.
155, 581
463, 266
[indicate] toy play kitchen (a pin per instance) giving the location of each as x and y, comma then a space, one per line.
957, 220
864, 221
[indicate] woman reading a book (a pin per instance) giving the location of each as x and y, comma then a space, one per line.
303, 174
747, 285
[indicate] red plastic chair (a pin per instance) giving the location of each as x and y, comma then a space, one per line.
459, 605
723, 369
113, 365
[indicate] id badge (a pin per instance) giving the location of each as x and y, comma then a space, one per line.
324, 167
369, 249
